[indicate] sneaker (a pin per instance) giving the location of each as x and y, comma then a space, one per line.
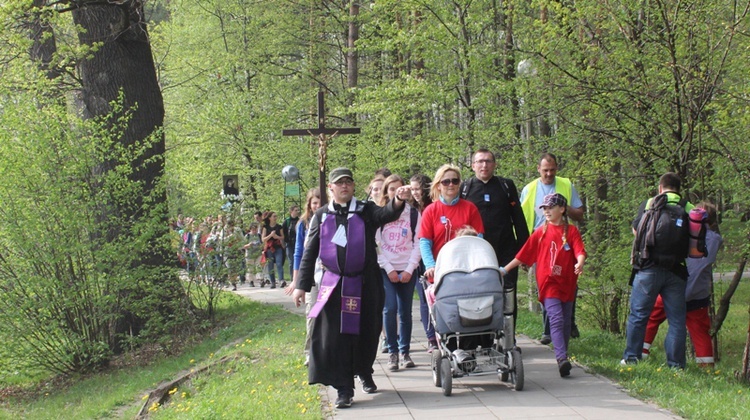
283, 284
574, 333
431, 345
307, 360
384, 346
627, 362
393, 362
252, 284
344, 399
564, 367
406, 361
368, 385
273, 285
545, 339
234, 287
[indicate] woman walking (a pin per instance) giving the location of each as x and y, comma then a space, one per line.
420, 192
399, 261
273, 238
312, 205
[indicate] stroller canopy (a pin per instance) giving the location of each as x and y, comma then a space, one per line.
464, 254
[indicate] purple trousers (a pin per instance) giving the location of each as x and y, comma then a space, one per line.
560, 315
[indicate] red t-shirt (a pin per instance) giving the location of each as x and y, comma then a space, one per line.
555, 262
440, 222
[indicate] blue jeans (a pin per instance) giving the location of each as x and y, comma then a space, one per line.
398, 297
424, 313
278, 255
647, 285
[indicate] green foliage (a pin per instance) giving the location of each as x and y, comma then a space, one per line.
67, 284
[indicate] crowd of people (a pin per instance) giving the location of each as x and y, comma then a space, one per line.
355, 263
227, 250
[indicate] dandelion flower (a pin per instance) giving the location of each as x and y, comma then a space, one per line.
172, 391
145, 397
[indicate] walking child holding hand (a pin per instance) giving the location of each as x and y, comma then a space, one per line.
557, 249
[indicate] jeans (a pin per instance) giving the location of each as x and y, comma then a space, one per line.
278, 255
424, 313
560, 316
398, 297
647, 285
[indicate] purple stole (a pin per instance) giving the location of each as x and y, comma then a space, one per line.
351, 275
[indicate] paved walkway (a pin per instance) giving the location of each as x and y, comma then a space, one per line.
410, 393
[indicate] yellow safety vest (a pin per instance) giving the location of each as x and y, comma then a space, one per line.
562, 186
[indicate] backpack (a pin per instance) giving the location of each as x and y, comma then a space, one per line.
662, 234
698, 226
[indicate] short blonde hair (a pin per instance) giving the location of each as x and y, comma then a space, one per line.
434, 192
466, 230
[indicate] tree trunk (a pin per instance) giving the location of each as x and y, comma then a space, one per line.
44, 46
122, 69
723, 310
745, 374
352, 58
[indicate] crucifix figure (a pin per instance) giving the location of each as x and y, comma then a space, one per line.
324, 134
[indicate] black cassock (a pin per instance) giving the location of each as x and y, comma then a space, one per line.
334, 357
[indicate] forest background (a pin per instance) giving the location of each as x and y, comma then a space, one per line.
98, 150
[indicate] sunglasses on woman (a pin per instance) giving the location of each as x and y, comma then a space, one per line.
454, 181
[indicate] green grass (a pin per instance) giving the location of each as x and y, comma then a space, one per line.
264, 377
692, 393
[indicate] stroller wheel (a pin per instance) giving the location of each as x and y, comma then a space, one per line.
435, 363
446, 376
516, 372
504, 376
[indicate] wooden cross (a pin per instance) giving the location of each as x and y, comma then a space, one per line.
323, 133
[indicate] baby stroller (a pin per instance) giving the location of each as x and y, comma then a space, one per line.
473, 320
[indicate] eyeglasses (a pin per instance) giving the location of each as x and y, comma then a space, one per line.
454, 181
344, 181
484, 161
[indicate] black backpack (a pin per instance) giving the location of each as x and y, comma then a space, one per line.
662, 234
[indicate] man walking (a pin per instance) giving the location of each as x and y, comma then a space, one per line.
532, 197
498, 203
290, 235
349, 309
660, 270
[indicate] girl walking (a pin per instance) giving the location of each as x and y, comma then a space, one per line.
399, 260
557, 249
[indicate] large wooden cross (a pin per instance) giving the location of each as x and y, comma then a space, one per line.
324, 134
